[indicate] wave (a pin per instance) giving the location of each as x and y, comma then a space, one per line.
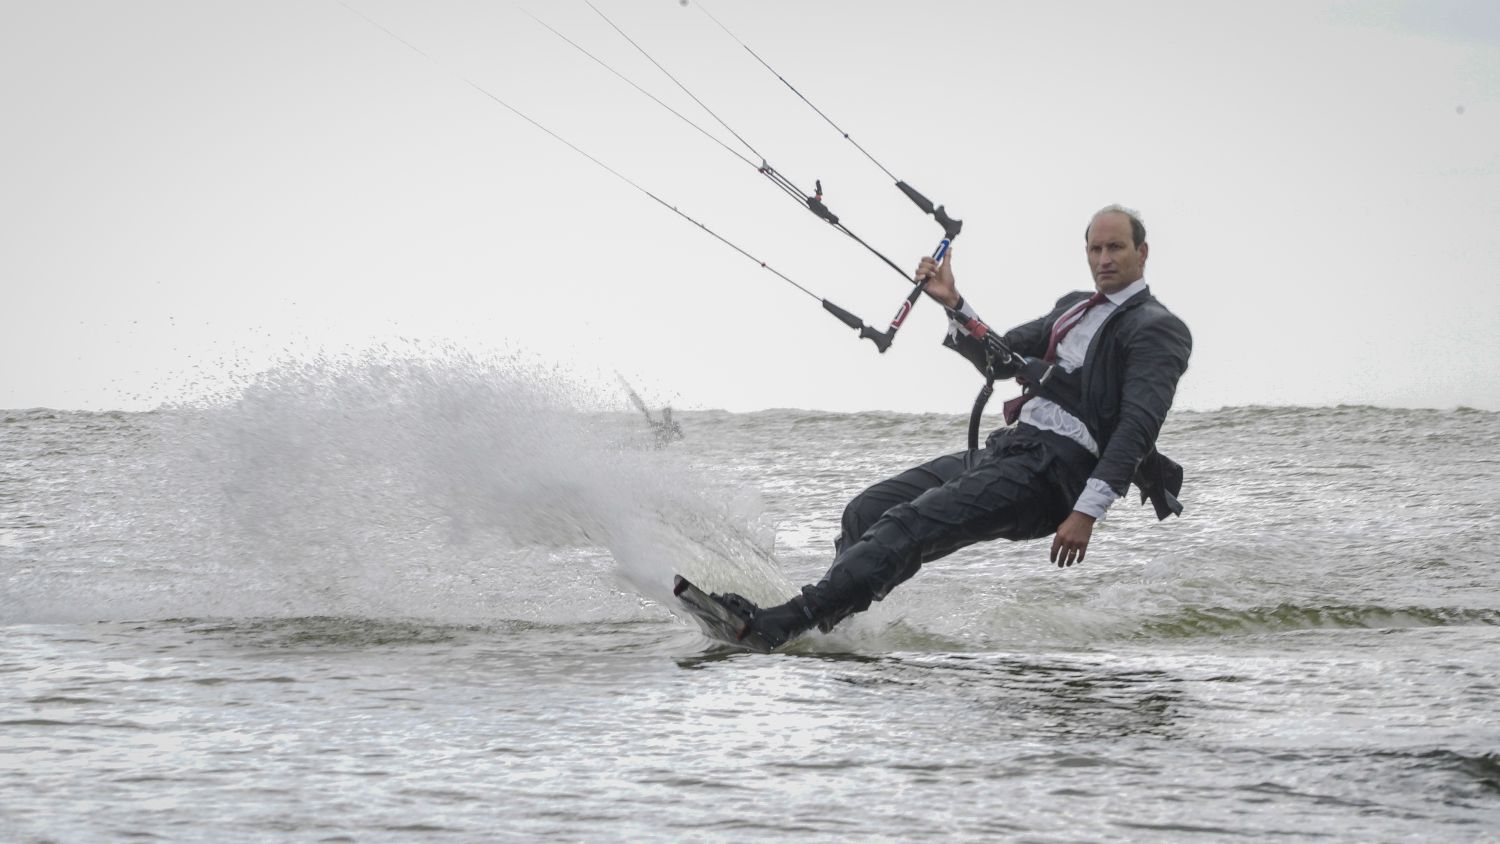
931, 627
1193, 622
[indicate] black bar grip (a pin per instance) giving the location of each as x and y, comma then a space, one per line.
911, 193
881, 339
951, 227
844, 316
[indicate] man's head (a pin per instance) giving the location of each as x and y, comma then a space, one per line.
1115, 241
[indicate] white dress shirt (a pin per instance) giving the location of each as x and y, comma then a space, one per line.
1049, 416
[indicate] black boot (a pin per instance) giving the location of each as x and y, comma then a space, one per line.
775, 626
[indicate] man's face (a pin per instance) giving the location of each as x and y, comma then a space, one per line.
1114, 259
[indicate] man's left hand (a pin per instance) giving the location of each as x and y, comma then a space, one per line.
1072, 539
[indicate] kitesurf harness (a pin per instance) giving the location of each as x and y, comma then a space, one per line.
996, 352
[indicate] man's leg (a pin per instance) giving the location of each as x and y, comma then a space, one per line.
866, 508
782, 622
1021, 487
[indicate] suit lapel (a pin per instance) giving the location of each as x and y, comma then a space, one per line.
1105, 330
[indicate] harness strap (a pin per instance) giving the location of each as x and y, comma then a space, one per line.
974, 415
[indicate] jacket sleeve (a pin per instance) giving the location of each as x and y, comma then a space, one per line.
1027, 339
1155, 358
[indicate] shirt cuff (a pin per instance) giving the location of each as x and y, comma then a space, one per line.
956, 327
1095, 500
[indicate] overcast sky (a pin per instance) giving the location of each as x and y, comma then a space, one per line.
191, 191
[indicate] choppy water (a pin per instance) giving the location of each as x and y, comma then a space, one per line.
428, 600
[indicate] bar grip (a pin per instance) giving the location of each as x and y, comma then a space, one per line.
844, 316
951, 227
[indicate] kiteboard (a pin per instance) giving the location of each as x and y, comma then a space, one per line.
719, 622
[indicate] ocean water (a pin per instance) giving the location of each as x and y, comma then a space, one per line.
429, 599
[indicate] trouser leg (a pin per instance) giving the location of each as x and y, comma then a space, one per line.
866, 508
1020, 487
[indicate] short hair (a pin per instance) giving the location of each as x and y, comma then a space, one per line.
1137, 228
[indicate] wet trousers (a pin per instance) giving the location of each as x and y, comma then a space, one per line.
1021, 485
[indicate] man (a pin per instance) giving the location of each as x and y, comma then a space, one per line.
1103, 369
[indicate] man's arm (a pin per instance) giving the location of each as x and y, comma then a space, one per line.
1155, 360
1026, 339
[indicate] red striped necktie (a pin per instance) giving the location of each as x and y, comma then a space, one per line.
1060, 329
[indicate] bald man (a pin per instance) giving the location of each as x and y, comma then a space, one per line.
1073, 443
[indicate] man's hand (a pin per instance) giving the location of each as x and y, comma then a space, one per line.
1072, 539
940, 283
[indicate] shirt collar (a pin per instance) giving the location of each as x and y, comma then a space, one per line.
1121, 296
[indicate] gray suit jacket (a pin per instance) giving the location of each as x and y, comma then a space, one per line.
1122, 392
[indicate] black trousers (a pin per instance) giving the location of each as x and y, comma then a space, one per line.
1021, 485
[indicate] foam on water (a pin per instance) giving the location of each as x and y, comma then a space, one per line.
434, 485
393, 483
411, 569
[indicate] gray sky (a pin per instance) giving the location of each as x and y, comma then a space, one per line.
190, 191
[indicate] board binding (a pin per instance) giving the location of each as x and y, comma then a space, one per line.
718, 621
